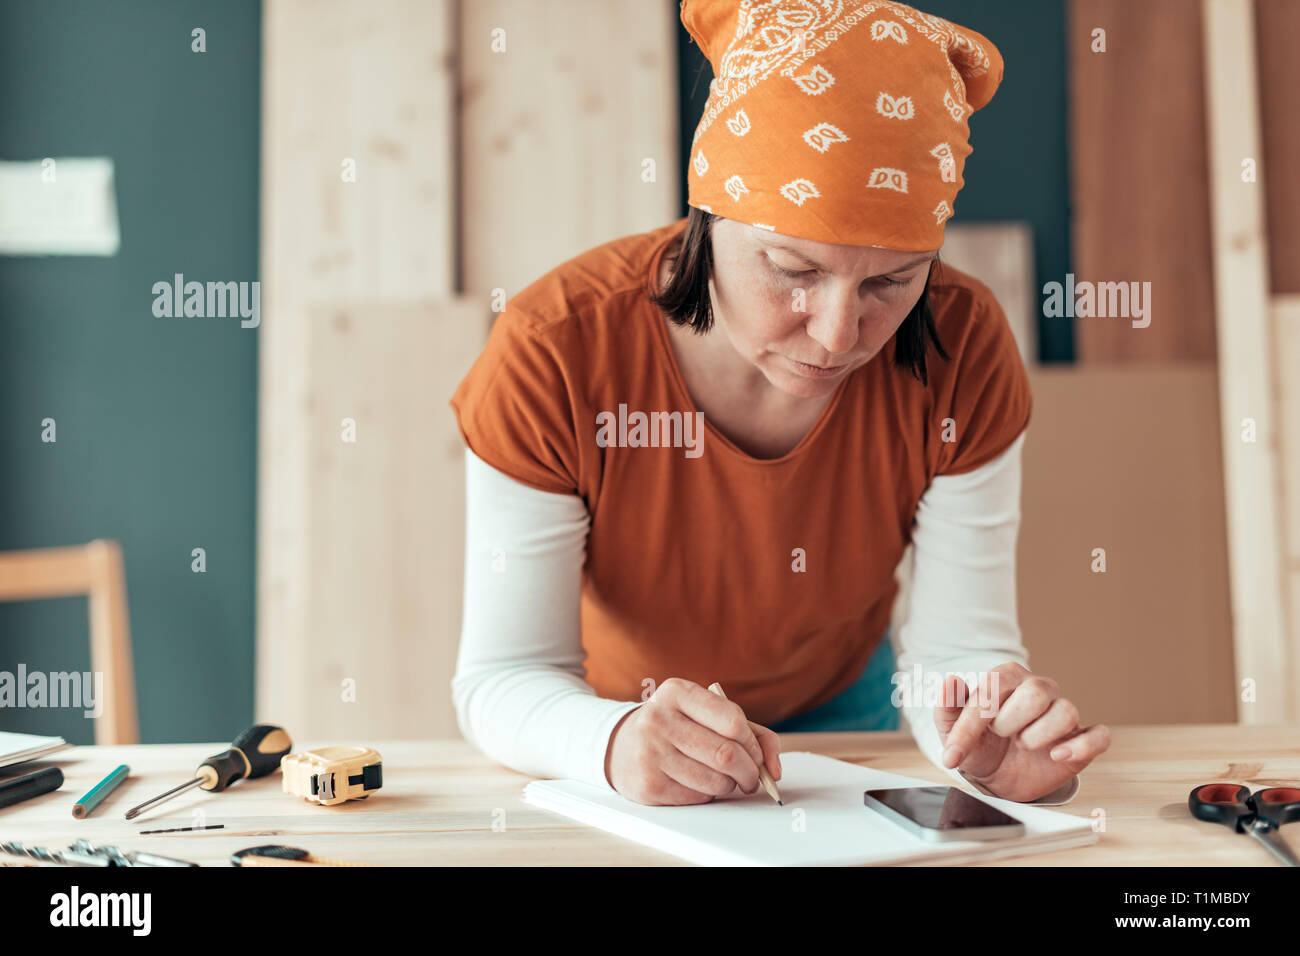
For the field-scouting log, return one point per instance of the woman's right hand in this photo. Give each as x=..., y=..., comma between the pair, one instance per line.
x=687, y=745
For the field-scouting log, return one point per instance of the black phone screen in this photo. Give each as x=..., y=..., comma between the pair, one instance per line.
x=942, y=808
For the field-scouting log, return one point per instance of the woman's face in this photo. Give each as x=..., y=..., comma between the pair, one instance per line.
x=808, y=313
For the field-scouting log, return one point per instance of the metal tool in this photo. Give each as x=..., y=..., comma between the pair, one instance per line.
x=69, y=857
x=85, y=853
x=1260, y=813
x=332, y=775
x=255, y=753
x=127, y=857
x=215, y=826
x=273, y=855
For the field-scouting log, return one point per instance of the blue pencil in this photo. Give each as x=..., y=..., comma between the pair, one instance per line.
x=83, y=807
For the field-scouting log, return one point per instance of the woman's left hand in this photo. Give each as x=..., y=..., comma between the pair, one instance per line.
x=1019, y=743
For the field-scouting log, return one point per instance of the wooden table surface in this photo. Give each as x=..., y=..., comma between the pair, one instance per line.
x=444, y=803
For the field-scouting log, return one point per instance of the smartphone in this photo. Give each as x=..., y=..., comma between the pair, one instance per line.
x=943, y=813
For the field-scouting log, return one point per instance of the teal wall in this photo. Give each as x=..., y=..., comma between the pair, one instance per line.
x=156, y=418
x=1020, y=167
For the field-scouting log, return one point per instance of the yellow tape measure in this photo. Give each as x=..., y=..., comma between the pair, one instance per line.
x=332, y=775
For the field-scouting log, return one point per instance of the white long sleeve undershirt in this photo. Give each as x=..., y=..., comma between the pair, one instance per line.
x=519, y=691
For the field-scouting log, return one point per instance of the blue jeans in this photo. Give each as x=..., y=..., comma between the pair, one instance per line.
x=866, y=705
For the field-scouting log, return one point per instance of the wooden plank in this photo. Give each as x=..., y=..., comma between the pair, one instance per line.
x=552, y=151
x=1094, y=478
x=95, y=571
x=1001, y=255
x=445, y=804
x=387, y=516
x=44, y=573
x=1277, y=26
x=372, y=83
x=342, y=81
x=558, y=128
x=1127, y=458
x=1286, y=324
x=1248, y=375
x=110, y=643
x=1138, y=175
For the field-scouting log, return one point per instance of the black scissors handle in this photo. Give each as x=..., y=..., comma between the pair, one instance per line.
x=1260, y=814
x=1225, y=803
x=1277, y=805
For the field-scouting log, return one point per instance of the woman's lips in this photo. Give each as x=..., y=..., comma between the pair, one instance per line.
x=817, y=371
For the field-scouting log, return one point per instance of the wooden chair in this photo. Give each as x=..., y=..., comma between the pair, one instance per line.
x=95, y=570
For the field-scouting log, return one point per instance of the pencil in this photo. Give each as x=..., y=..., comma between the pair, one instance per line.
x=83, y=807
x=764, y=777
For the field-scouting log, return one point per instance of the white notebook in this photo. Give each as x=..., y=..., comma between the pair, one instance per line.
x=823, y=821
x=17, y=748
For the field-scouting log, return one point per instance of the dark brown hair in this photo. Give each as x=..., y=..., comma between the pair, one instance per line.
x=685, y=300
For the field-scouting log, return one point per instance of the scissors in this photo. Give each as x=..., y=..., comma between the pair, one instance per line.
x=1260, y=813
x=283, y=856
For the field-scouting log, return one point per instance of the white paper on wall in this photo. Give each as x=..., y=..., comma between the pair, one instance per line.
x=58, y=206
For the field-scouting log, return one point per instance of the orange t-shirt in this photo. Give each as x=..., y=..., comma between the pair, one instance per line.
x=774, y=577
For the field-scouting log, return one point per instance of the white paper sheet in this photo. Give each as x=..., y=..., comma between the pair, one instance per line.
x=18, y=748
x=823, y=821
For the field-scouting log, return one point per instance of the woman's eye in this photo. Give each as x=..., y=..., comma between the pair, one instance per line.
x=795, y=274
x=792, y=273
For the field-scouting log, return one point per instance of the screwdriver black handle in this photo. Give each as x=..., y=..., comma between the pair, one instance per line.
x=255, y=753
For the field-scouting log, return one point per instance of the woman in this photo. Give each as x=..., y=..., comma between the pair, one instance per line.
x=697, y=454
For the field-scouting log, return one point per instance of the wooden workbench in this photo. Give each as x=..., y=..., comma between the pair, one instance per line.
x=441, y=798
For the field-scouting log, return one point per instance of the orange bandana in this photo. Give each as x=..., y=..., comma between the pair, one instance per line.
x=834, y=120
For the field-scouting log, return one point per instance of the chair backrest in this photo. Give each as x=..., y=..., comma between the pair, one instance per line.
x=95, y=570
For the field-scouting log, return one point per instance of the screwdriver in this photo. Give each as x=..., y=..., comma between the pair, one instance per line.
x=255, y=753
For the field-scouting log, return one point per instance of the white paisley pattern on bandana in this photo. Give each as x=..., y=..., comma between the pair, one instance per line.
x=785, y=34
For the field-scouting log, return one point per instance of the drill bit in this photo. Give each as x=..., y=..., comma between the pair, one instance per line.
x=70, y=857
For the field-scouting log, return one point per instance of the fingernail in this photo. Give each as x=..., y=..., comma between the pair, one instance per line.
x=1062, y=753
x=952, y=755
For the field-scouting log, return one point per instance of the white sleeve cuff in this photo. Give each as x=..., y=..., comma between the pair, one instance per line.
x=595, y=772
x=1062, y=794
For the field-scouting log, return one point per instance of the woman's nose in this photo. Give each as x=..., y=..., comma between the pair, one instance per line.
x=836, y=326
